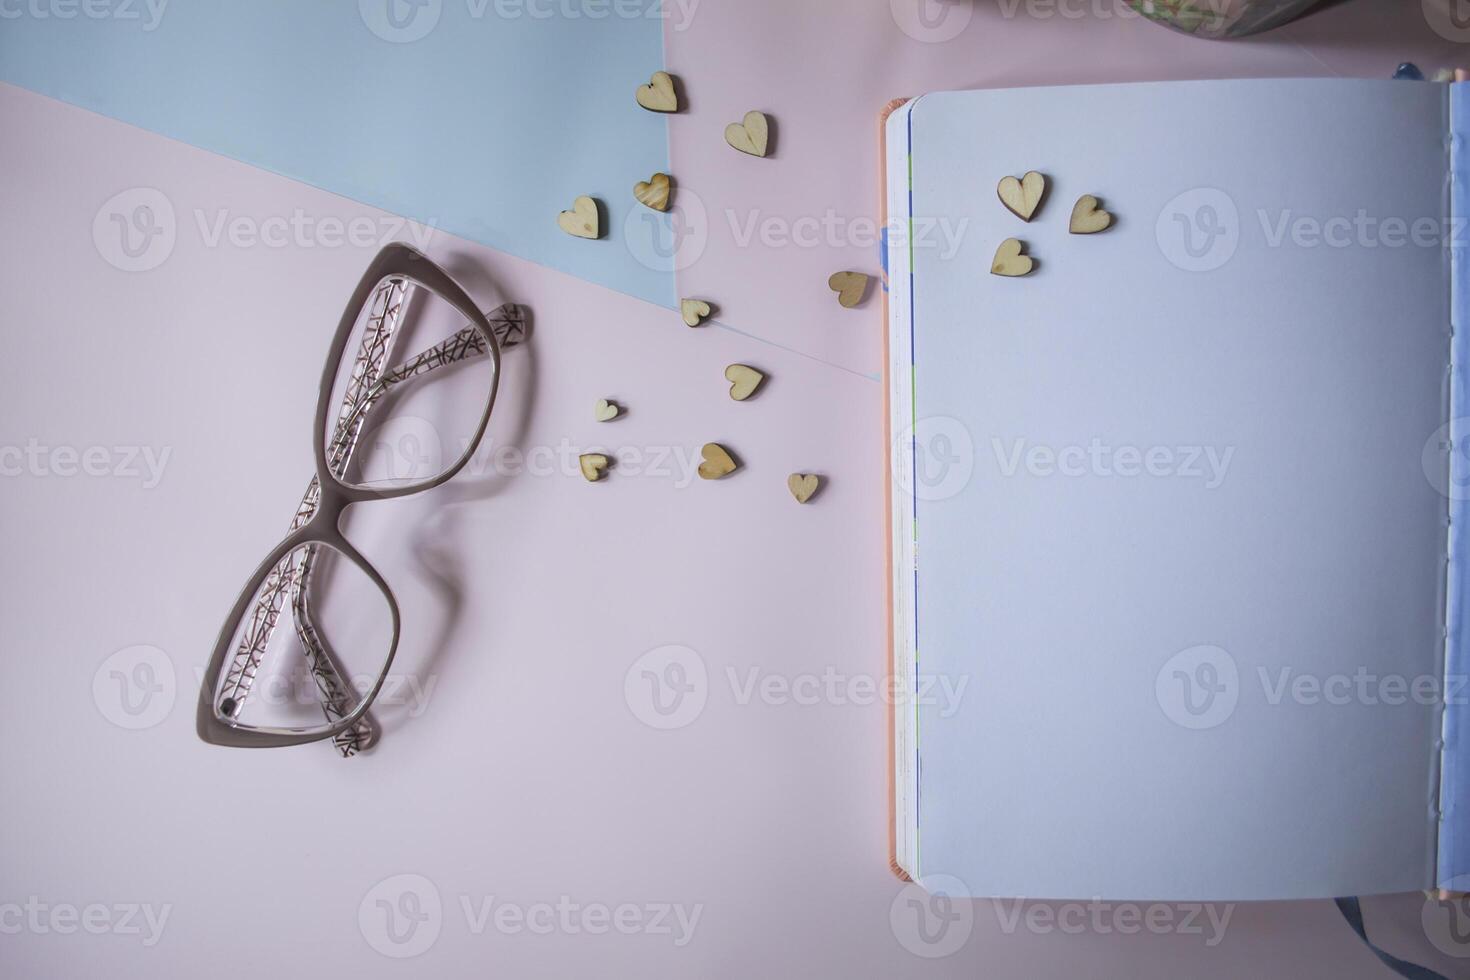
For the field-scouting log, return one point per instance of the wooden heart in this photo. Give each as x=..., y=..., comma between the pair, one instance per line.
x=750, y=134
x=1087, y=217
x=744, y=380
x=1022, y=197
x=802, y=486
x=653, y=192
x=693, y=311
x=658, y=95
x=581, y=220
x=849, y=287
x=594, y=466
x=605, y=411
x=1009, y=261
x=717, y=462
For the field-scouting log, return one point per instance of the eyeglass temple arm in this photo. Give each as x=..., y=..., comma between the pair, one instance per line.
x=508, y=323
x=336, y=699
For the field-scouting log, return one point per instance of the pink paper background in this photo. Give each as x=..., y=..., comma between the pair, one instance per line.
x=527, y=598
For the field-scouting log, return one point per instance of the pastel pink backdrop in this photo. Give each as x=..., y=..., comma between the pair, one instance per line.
x=526, y=597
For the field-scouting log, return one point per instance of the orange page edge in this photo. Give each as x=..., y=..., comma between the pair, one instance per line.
x=888, y=505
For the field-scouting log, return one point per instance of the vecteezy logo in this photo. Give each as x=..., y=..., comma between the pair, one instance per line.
x=400, y=21
x=1450, y=19
x=1199, y=230
x=1198, y=687
x=669, y=240
x=934, y=458
x=401, y=916
x=667, y=687
x=1446, y=921
x=932, y=919
x=404, y=449
x=1447, y=466
x=135, y=687
x=932, y=21
x=134, y=230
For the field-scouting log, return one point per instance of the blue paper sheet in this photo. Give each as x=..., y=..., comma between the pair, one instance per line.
x=484, y=118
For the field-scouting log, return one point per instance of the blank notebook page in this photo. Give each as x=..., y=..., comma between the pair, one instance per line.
x=1196, y=446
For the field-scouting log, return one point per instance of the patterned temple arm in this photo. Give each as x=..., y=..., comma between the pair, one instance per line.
x=367, y=384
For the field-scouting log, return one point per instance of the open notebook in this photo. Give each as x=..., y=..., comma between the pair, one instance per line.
x=1177, y=538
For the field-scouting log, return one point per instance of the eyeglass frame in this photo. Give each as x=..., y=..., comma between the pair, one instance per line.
x=328, y=495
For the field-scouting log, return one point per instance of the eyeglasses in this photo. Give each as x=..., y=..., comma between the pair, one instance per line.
x=331, y=646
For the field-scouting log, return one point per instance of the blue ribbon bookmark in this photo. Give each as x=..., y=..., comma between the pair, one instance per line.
x=1353, y=912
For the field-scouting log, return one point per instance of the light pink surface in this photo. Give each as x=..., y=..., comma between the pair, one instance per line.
x=526, y=598
x=823, y=69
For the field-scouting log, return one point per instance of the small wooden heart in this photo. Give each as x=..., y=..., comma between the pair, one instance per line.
x=744, y=380
x=1022, y=197
x=717, y=462
x=1009, y=261
x=606, y=411
x=653, y=192
x=750, y=135
x=802, y=486
x=1087, y=217
x=594, y=466
x=693, y=311
x=849, y=287
x=581, y=220
x=658, y=95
